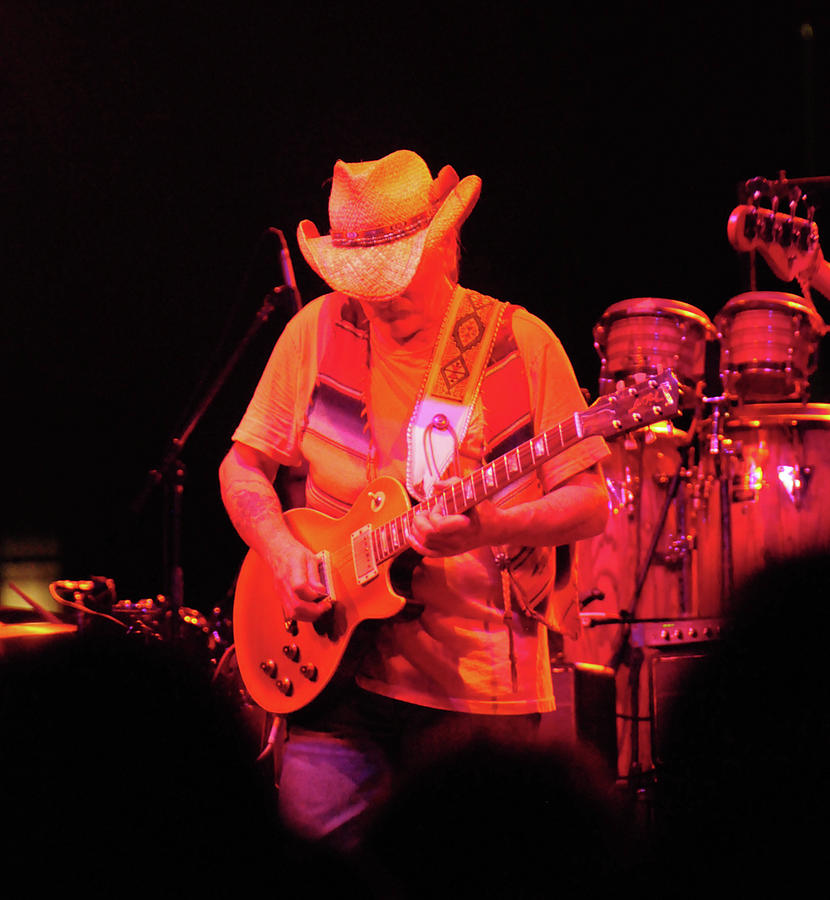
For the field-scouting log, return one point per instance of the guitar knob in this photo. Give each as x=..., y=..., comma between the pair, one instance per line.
x=291, y=626
x=309, y=671
x=285, y=686
x=269, y=666
x=292, y=651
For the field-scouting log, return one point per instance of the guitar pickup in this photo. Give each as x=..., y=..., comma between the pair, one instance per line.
x=363, y=555
x=324, y=573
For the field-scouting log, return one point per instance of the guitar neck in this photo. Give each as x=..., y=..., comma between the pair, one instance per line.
x=649, y=400
x=390, y=539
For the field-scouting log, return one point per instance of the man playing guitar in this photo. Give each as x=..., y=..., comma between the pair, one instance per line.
x=401, y=372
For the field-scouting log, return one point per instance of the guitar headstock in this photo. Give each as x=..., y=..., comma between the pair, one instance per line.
x=649, y=399
x=788, y=243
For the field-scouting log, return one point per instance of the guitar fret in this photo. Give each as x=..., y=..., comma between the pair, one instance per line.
x=469, y=489
x=499, y=469
x=489, y=477
x=481, y=487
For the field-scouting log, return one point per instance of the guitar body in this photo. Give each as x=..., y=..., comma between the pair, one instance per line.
x=283, y=666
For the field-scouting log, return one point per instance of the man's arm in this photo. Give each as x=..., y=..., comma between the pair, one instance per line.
x=246, y=479
x=576, y=510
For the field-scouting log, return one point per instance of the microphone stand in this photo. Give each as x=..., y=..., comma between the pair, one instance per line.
x=171, y=471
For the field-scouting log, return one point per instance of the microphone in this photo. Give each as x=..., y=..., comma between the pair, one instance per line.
x=288, y=278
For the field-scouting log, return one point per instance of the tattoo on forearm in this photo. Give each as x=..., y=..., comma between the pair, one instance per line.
x=254, y=506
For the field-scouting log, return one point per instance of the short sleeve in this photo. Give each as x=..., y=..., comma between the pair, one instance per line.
x=273, y=420
x=555, y=396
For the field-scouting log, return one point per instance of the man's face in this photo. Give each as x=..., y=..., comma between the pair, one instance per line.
x=420, y=307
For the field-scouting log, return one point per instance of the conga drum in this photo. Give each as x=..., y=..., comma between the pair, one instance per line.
x=650, y=334
x=778, y=467
x=769, y=346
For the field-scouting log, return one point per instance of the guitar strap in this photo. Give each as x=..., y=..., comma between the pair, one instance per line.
x=451, y=387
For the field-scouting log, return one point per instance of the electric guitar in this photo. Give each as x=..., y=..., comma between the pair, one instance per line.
x=285, y=664
x=788, y=243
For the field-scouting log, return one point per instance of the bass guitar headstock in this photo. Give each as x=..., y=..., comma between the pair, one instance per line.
x=789, y=243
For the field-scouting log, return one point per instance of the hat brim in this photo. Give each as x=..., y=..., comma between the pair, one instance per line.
x=383, y=271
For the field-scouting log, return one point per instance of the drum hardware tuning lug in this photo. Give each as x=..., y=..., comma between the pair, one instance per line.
x=795, y=480
x=678, y=549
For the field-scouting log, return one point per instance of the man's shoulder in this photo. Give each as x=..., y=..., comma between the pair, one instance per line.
x=532, y=335
x=530, y=326
x=322, y=312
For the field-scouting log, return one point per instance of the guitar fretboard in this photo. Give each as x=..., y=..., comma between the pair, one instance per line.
x=390, y=539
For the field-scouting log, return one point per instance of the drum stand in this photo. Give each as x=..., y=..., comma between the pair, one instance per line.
x=718, y=448
x=631, y=649
x=629, y=652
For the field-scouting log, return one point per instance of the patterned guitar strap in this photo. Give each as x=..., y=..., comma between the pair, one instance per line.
x=449, y=392
x=446, y=404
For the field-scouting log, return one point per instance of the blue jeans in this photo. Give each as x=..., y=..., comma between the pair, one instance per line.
x=341, y=762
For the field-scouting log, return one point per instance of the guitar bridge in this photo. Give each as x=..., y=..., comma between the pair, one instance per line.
x=363, y=555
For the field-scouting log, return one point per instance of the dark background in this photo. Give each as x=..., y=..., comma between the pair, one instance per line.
x=148, y=146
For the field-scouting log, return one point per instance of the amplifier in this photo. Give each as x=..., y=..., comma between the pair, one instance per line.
x=585, y=708
x=670, y=677
x=676, y=632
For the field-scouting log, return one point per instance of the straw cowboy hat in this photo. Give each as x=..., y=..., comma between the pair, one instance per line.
x=383, y=215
